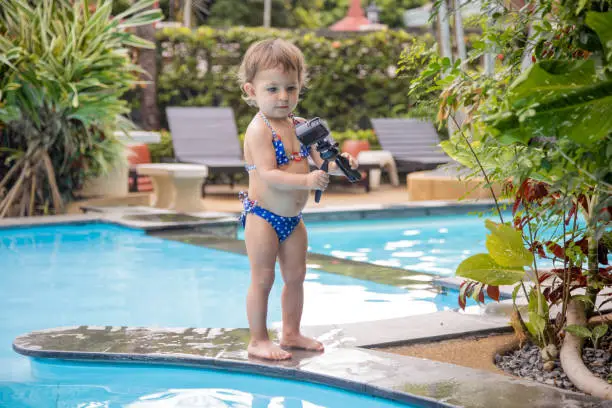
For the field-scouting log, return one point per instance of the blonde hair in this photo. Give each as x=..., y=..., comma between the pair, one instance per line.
x=270, y=54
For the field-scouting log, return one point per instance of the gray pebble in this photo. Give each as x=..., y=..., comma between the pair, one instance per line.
x=527, y=363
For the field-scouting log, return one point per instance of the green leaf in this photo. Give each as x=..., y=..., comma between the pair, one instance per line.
x=538, y=324
x=144, y=18
x=578, y=330
x=505, y=245
x=533, y=305
x=141, y=5
x=600, y=330
x=135, y=41
x=601, y=23
x=585, y=299
x=478, y=45
x=515, y=292
x=482, y=268
x=568, y=101
x=9, y=113
x=581, y=5
x=75, y=96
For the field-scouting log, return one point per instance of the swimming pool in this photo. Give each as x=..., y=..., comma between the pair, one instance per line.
x=101, y=274
x=431, y=244
x=86, y=385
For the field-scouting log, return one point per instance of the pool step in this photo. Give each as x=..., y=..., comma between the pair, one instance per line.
x=361, y=270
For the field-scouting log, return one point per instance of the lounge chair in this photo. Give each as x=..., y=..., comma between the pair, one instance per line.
x=206, y=135
x=412, y=142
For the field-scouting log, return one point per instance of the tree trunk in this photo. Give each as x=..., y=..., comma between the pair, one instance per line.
x=148, y=97
x=595, y=320
x=571, y=357
x=593, y=279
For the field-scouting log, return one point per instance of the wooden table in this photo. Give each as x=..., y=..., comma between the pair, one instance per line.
x=176, y=186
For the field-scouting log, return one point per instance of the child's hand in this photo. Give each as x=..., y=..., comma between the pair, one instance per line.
x=352, y=161
x=317, y=180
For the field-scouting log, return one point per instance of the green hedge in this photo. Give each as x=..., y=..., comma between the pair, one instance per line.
x=351, y=79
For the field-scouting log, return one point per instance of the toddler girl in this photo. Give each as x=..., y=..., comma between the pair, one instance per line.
x=272, y=74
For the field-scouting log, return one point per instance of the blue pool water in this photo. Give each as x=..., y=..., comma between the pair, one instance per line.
x=434, y=244
x=84, y=385
x=100, y=274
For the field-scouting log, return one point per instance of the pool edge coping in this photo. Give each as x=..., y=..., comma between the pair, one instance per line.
x=392, y=374
x=340, y=213
x=244, y=367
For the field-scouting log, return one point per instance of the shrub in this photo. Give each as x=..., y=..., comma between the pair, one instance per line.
x=63, y=70
x=351, y=79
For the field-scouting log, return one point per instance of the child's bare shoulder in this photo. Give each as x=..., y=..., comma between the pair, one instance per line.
x=257, y=131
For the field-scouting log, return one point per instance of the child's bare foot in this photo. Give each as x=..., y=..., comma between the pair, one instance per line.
x=267, y=350
x=301, y=342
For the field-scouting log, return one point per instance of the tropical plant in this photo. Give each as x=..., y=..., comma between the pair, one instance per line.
x=557, y=115
x=63, y=69
x=594, y=335
x=540, y=124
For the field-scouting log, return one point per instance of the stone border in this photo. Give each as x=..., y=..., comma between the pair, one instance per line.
x=218, y=221
x=243, y=367
x=47, y=220
x=421, y=382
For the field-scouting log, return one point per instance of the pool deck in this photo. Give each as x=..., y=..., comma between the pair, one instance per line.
x=422, y=382
x=347, y=362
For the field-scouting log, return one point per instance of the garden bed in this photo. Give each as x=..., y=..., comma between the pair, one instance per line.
x=526, y=362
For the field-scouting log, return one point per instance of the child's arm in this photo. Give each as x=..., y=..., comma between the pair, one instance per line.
x=264, y=159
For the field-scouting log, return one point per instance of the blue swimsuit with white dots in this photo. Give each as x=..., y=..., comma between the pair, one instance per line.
x=283, y=226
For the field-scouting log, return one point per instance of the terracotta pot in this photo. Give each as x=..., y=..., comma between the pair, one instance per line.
x=355, y=146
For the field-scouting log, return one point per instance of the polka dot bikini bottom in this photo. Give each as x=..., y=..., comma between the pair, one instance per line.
x=283, y=226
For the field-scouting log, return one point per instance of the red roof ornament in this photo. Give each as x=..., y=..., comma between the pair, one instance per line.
x=354, y=20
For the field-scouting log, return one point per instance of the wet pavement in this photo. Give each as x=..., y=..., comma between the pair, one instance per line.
x=401, y=378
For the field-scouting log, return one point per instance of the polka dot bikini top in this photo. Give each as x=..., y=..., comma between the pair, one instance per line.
x=279, y=148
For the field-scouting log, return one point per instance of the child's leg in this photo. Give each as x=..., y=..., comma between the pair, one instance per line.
x=292, y=258
x=262, y=248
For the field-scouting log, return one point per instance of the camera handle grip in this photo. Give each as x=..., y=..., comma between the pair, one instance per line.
x=318, y=193
x=344, y=165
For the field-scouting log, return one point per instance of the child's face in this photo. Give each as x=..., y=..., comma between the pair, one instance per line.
x=275, y=91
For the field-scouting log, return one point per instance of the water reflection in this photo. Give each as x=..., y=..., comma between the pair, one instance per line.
x=213, y=398
x=216, y=398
